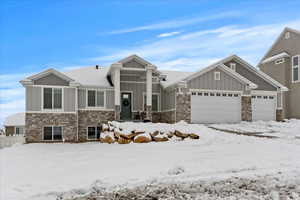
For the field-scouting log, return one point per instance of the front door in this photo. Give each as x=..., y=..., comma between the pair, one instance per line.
x=126, y=106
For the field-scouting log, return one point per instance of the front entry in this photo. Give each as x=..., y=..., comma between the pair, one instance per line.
x=126, y=106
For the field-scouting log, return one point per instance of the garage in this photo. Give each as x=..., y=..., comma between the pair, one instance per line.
x=263, y=107
x=215, y=107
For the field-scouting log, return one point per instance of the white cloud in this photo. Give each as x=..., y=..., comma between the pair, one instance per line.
x=168, y=34
x=195, y=50
x=178, y=22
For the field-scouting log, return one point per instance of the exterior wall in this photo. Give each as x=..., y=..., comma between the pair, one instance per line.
x=206, y=81
x=138, y=90
x=251, y=76
x=133, y=64
x=69, y=99
x=283, y=74
x=36, y=121
x=246, y=108
x=9, y=130
x=33, y=98
x=51, y=79
x=167, y=100
x=168, y=116
x=92, y=118
x=109, y=101
x=183, y=105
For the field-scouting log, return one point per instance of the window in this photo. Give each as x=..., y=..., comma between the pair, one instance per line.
x=199, y=93
x=53, y=133
x=52, y=98
x=212, y=94
x=233, y=66
x=155, y=102
x=279, y=61
x=295, y=68
x=287, y=35
x=193, y=93
x=95, y=98
x=17, y=131
x=205, y=94
x=93, y=133
x=217, y=76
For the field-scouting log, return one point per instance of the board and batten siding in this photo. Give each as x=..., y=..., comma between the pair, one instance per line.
x=167, y=100
x=138, y=89
x=109, y=94
x=69, y=99
x=207, y=81
x=51, y=79
x=33, y=98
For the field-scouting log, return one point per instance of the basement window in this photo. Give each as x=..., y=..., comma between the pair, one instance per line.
x=53, y=133
x=93, y=133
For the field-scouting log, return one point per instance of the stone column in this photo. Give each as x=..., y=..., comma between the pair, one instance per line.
x=116, y=78
x=183, y=103
x=149, y=71
x=246, y=108
x=279, y=115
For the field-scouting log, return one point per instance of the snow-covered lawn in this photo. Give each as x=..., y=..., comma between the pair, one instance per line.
x=44, y=171
x=290, y=129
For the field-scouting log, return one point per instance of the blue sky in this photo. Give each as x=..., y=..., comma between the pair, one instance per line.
x=181, y=35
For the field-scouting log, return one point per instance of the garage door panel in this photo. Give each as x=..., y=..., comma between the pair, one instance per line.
x=215, y=109
x=263, y=108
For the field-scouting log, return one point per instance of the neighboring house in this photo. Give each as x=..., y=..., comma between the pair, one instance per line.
x=15, y=124
x=282, y=63
x=71, y=106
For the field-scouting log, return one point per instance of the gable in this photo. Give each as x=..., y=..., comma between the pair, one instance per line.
x=251, y=76
x=290, y=45
x=207, y=81
x=51, y=79
x=133, y=64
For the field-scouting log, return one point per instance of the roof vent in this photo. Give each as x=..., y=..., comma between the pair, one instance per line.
x=97, y=66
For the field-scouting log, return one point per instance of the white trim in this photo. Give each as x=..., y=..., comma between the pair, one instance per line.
x=232, y=66
x=134, y=82
x=262, y=92
x=96, y=109
x=216, y=91
x=154, y=93
x=279, y=61
x=274, y=57
x=217, y=76
x=62, y=133
x=169, y=110
x=52, y=86
x=46, y=111
x=295, y=67
x=50, y=71
x=87, y=132
x=287, y=35
x=60, y=110
x=96, y=106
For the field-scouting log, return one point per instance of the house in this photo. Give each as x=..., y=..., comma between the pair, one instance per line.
x=71, y=106
x=281, y=62
x=15, y=124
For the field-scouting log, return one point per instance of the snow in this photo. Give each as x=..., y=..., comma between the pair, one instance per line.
x=45, y=171
x=275, y=57
x=290, y=129
x=17, y=119
x=173, y=77
x=90, y=76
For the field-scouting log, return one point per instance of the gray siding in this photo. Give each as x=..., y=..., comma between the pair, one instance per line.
x=110, y=99
x=138, y=90
x=81, y=98
x=138, y=76
x=133, y=64
x=69, y=99
x=207, y=81
x=251, y=76
x=51, y=79
x=33, y=98
x=282, y=73
x=167, y=100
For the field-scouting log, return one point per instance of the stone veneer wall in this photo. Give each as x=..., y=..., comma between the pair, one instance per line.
x=279, y=115
x=36, y=121
x=156, y=117
x=92, y=118
x=183, y=105
x=167, y=116
x=246, y=108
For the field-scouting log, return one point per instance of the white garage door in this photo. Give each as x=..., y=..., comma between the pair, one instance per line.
x=263, y=107
x=215, y=107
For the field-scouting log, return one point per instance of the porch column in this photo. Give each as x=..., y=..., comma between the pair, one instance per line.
x=149, y=71
x=116, y=75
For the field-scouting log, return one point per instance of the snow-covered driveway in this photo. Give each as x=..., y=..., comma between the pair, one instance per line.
x=33, y=170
